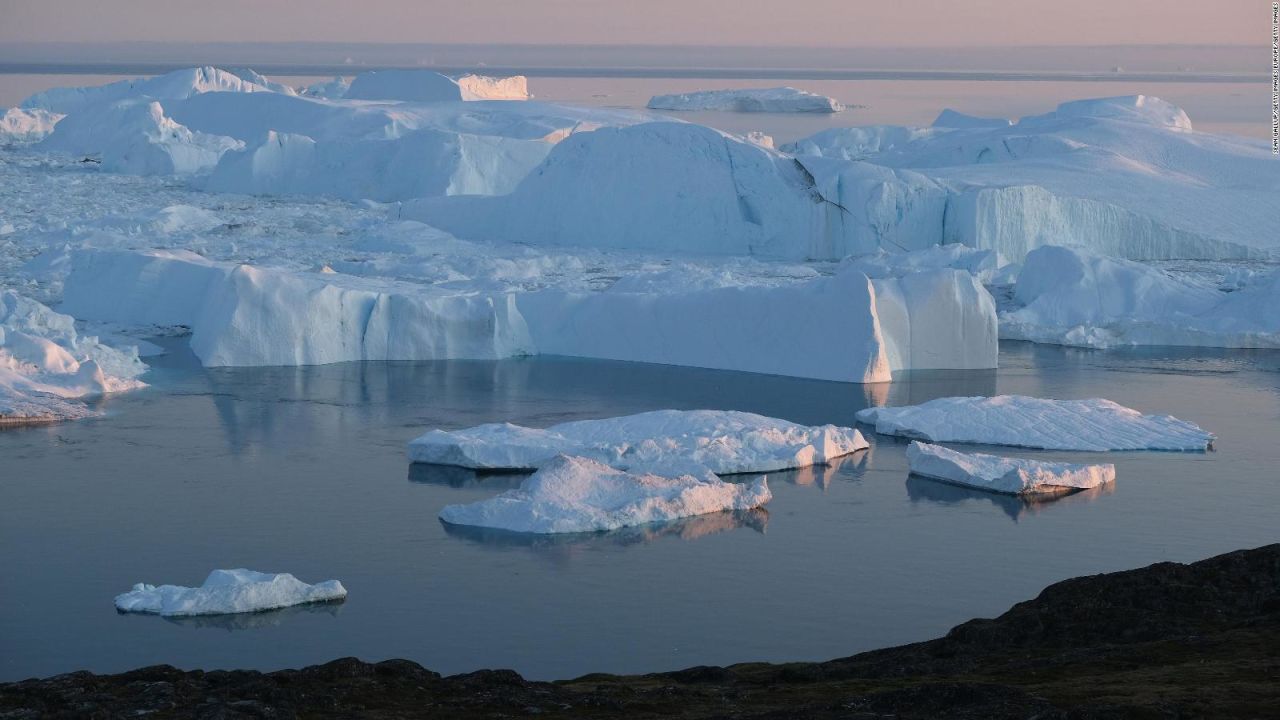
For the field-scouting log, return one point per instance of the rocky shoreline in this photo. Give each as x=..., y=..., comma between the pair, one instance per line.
x=1169, y=640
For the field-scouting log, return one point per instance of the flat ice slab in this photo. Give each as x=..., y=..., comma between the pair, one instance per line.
x=229, y=591
x=1020, y=421
x=576, y=494
x=783, y=99
x=1015, y=476
x=723, y=442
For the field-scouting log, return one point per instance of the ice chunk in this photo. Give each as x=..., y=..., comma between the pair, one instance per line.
x=1015, y=476
x=45, y=364
x=229, y=591
x=23, y=126
x=1020, y=421
x=983, y=264
x=1073, y=297
x=331, y=90
x=724, y=442
x=949, y=118
x=486, y=87
x=575, y=494
x=777, y=100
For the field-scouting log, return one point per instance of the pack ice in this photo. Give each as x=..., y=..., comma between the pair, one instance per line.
x=723, y=442
x=773, y=100
x=1073, y=297
x=1020, y=421
x=575, y=494
x=1014, y=476
x=226, y=592
x=46, y=366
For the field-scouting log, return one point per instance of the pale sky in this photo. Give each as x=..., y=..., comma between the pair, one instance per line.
x=841, y=23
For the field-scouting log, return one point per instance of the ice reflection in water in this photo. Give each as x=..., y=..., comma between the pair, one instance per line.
x=922, y=489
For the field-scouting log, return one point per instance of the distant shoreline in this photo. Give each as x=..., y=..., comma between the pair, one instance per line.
x=146, y=68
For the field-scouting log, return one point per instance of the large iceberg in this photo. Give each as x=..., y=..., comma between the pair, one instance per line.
x=228, y=591
x=176, y=85
x=1014, y=476
x=772, y=100
x=574, y=495
x=1019, y=421
x=138, y=138
x=19, y=125
x=1072, y=297
x=1125, y=176
x=46, y=366
x=246, y=315
x=724, y=442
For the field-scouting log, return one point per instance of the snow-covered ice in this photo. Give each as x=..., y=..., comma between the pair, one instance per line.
x=1072, y=297
x=229, y=591
x=176, y=85
x=1015, y=476
x=46, y=365
x=773, y=100
x=724, y=442
x=1020, y=421
x=19, y=125
x=575, y=494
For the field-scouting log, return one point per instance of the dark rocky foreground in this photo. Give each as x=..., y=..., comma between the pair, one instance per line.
x=1170, y=640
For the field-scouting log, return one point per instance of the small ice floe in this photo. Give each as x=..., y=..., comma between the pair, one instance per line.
x=723, y=442
x=229, y=591
x=575, y=495
x=1014, y=476
x=1020, y=421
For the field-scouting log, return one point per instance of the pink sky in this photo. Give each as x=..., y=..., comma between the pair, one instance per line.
x=697, y=22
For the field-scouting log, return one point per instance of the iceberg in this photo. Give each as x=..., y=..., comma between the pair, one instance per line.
x=1019, y=421
x=1123, y=176
x=1070, y=296
x=176, y=85
x=721, y=441
x=982, y=264
x=46, y=366
x=1014, y=476
x=226, y=592
x=577, y=495
x=772, y=100
x=247, y=315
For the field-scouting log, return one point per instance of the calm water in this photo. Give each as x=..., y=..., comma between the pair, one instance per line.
x=303, y=470
x=1222, y=107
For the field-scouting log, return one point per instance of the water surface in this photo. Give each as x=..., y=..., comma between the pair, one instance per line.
x=303, y=470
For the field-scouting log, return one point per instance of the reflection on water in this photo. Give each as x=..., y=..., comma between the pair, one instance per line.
x=248, y=621
x=922, y=489
x=690, y=528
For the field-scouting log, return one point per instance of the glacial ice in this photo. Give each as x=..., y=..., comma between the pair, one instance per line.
x=1015, y=476
x=226, y=592
x=46, y=365
x=1073, y=297
x=983, y=264
x=575, y=494
x=774, y=100
x=723, y=442
x=176, y=85
x=18, y=125
x=949, y=118
x=1020, y=421
x=246, y=315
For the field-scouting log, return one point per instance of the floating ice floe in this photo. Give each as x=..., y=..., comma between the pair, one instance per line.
x=1015, y=476
x=722, y=441
x=229, y=591
x=244, y=315
x=575, y=494
x=46, y=365
x=1020, y=421
x=774, y=100
x=1072, y=297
